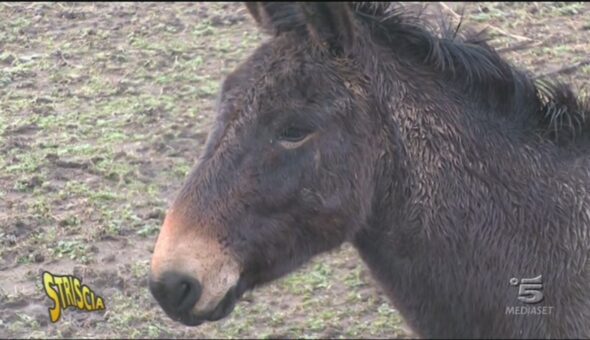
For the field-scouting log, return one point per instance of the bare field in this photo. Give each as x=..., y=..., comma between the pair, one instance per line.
x=104, y=108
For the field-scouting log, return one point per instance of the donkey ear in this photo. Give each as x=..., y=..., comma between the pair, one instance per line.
x=274, y=17
x=330, y=23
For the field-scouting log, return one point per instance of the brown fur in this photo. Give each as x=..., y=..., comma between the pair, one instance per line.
x=450, y=170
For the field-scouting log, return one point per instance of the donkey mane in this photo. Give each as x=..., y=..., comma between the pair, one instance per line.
x=548, y=108
x=464, y=57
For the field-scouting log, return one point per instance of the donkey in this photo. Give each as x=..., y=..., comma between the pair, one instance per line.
x=462, y=181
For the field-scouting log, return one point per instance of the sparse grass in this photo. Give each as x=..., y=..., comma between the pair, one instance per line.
x=105, y=108
x=74, y=249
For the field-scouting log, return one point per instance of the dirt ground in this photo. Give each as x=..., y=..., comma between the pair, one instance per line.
x=104, y=108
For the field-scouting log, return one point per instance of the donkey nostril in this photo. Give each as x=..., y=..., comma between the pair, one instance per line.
x=181, y=293
x=185, y=288
x=177, y=293
x=187, y=299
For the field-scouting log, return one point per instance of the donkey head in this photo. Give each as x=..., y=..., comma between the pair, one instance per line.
x=287, y=171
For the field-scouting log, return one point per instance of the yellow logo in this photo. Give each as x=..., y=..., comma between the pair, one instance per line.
x=68, y=291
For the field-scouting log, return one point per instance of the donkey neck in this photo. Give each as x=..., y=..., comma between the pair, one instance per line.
x=443, y=184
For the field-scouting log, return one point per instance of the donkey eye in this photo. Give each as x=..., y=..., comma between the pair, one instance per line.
x=293, y=137
x=293, y=134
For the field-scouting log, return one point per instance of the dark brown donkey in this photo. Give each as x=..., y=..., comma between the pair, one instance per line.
x=457, y=177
